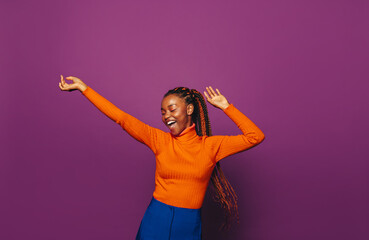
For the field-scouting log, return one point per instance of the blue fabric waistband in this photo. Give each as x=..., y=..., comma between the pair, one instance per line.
x=163, y=221
x=158, y=203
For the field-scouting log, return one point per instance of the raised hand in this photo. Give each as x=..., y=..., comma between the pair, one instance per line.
x=216, y=98
x=77, y=84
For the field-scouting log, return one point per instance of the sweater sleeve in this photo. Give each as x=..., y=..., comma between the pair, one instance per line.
x=140, y=131
x=224, y=146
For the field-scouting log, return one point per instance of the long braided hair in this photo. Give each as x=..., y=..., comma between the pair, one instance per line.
x=224, y=193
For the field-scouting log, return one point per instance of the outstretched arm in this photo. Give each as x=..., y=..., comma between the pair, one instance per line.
x=227, y=145
x=137, y=129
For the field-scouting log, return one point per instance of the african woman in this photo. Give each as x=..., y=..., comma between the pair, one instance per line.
x=187, y=157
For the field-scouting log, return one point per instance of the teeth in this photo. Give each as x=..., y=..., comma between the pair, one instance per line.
x=170, y=122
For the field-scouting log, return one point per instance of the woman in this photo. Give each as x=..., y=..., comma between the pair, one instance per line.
x=186, y=157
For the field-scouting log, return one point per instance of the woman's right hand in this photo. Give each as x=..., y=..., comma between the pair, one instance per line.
x=77, y=84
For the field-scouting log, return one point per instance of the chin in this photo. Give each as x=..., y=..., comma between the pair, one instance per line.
x=175, y=133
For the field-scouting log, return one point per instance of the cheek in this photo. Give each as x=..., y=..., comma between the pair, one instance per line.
x=182, y=117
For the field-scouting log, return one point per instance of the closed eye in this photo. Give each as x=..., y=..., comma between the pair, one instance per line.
x=172, y=110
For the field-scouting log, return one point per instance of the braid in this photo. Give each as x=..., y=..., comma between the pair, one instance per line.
x=203, y=120
x=224, y=193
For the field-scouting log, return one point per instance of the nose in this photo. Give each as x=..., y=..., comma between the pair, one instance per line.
x=166, y=115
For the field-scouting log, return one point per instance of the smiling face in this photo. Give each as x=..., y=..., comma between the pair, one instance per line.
x=176, y=114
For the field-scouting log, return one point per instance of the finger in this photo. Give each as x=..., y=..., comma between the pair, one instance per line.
x=64, y=84
x=62, y=79
x=61, y=86
x=72, y=78
x=206, y=95
x=218, y=91
x=212, y=90
x=210, y=93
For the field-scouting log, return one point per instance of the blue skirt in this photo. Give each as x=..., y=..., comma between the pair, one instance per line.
x=165, y=222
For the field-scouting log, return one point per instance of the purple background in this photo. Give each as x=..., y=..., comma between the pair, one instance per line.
x=298, y=69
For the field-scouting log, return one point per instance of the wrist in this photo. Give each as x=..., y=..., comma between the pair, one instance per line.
x=82, y=87
x=223, y=107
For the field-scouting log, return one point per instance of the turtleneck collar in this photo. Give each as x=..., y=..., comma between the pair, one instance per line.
x=187, y=134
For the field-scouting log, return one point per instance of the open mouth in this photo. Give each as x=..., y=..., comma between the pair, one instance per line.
x=171, y=124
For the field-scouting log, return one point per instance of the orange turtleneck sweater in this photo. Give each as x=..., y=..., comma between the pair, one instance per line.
x=184, y=163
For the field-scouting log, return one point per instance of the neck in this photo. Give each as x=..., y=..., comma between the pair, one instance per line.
x=187, y=134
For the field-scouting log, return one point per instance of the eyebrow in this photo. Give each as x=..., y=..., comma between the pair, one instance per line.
x=169, y=106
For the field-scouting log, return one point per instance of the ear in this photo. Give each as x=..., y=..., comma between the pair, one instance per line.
x=190, y=109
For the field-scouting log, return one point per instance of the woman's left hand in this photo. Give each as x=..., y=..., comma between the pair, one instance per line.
x=216, y=98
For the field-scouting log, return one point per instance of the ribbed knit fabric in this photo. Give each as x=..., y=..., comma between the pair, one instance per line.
x=184, y=163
